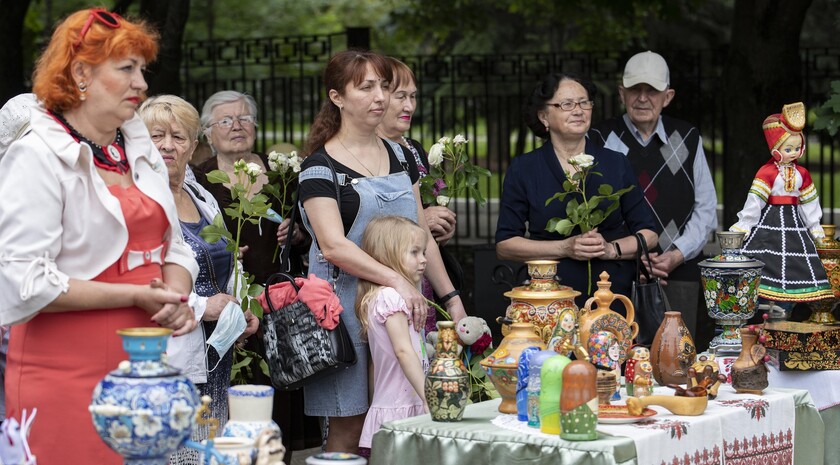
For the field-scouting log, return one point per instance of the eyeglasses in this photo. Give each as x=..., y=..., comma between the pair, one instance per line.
x=569, y=105
x=105, y=17
x=227, y=122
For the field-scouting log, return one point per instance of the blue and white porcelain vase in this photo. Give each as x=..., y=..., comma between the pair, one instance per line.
x=250, y=411
x=145, y=409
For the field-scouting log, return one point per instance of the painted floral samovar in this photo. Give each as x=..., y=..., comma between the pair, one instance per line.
x=541, y=301
x=730, y=289
x=829, y=251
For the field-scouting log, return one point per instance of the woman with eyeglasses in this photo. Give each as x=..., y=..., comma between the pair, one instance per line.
x=559, y=110
x=229, y=121
x=89, y=235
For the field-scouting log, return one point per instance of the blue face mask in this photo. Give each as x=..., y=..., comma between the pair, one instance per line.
x=230, y=326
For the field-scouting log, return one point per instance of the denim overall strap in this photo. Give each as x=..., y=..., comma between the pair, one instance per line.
x=346, y=393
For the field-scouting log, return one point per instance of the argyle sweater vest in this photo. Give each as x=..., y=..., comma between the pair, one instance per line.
x=665, y=170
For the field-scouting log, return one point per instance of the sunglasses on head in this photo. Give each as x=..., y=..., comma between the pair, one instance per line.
x=105, y=17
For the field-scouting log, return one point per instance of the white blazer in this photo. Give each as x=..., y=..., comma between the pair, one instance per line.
x=59, y=221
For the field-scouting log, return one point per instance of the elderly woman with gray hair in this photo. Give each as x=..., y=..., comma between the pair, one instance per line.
x=229, y=122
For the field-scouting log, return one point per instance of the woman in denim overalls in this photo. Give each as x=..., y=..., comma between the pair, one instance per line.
x=374, y=179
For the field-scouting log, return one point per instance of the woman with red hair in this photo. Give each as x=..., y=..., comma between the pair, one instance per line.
x=89, y=234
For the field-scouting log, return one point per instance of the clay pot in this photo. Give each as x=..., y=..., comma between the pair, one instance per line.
x=673, y=351
x=749, y=374
x=502, y=364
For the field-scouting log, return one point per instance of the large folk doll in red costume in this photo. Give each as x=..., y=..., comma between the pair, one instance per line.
x=782, y=217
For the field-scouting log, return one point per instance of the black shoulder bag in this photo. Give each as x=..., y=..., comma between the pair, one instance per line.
x=648, y=298
x=299, y=350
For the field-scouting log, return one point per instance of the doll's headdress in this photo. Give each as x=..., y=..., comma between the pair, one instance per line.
x=780, y=126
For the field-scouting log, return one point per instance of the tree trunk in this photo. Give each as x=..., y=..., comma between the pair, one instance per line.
x=11, y=53
x=762, y=74
x=170, y=18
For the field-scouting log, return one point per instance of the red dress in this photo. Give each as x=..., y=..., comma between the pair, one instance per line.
x=56, y=359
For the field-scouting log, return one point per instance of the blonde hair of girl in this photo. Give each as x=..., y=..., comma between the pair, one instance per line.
x=387, y=239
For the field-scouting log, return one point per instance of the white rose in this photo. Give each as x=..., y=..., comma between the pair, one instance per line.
x=272, y=165
x=254, y=169
x=582, y=160
x=444, y=140
x=436, y=154
x=459, y=140
x=442, y=200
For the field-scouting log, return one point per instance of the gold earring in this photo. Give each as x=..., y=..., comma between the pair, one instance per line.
x=82, y=90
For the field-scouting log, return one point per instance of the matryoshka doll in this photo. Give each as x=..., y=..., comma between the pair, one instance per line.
x=579, y=402
x=636, y=355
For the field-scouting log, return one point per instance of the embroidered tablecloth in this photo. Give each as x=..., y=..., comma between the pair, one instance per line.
x=735, y=429
x=480, y=439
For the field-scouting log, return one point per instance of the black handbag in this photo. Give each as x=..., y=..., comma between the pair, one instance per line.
x=649, y=299
x=298, y=349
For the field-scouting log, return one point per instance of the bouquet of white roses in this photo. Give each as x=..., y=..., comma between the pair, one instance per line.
x=243, y=208
x=283, y=169
x=583, y=213
x=451, y=173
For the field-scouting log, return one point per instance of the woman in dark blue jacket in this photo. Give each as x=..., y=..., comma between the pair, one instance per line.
x=560, y=110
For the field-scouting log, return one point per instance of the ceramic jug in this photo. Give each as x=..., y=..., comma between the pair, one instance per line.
x=749, y=374
x=601, y=318
x=447, y=386
x=672, y=351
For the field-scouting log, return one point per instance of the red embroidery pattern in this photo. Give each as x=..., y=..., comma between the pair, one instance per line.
x=756, y=407
x=775, y=449
x=704, y=457
x=678, y=429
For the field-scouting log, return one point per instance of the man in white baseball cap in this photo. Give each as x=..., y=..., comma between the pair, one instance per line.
x=667, y=155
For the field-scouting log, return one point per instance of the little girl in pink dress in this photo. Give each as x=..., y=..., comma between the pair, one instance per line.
x=396, y=346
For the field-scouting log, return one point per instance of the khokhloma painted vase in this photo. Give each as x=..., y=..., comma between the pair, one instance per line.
x=251, y=406
x=145, y=409
x=447, y=385
x=730, y=290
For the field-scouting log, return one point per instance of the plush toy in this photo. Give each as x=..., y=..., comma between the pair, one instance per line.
x=473, y=333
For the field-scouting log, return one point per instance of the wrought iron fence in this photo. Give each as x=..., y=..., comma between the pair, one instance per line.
x=480, y=96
